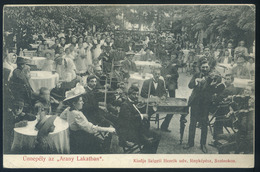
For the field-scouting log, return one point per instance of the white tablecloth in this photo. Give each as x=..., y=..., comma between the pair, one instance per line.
x=147, y=64
x=224, y=68
x=38, y=61
x=242, y=83
x=43, y=79
x=136, y=77
x=25, y=137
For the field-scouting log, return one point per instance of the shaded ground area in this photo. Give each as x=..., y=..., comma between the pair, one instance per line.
x=170, y=142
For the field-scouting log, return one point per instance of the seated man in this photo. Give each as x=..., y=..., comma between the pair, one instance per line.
x=240, y=71
x=229, y=90
x=155, y=87
x=12, y=119
x=132, y=125
x=44, y=102
x=91, y=107
x=19, y=83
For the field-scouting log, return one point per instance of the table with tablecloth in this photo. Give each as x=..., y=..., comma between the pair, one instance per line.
x=38, y=61
x=242, y=83
x=138, y=78
x=147, y=66
x=43, y=79
x=58, y=140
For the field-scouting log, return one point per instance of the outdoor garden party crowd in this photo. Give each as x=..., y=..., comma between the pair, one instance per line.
x=85, y=91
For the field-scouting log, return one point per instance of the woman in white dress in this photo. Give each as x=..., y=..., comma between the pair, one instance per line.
x=80, y=59
x=9, y=63
x=89, y=45
x=82, y=138
x=49, y=64
x=98, y=42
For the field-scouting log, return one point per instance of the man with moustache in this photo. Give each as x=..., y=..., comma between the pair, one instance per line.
x=132, y=124
x=200, y=100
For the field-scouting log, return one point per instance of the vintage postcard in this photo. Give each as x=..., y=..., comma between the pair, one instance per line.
x=129, y=86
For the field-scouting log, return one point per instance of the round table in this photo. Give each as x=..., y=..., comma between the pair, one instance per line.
x=25, y=137
x=38, y=61
x=242, y=83
x=43, y=79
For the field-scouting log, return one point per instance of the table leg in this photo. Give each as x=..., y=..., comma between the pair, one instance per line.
x=182, y=126
x=158, y=121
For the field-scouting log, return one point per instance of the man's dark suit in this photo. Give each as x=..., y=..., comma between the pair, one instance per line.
x=159, y=91
x=200, y=101
x=222, y=110
x=21, y=88
x=91, y=109
x=132, y=128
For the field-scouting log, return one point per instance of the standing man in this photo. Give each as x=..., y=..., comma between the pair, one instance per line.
x=200, y=100
x=170, y=74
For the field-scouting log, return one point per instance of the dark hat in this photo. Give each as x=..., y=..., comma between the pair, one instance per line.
x=21, y=60
x=19, y=103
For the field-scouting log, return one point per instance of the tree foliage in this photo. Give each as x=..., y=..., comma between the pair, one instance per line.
x=225, y=20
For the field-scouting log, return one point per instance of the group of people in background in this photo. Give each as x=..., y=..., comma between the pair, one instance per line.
x=107, y=59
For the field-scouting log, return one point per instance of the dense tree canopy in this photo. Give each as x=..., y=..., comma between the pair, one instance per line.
x=227, y=21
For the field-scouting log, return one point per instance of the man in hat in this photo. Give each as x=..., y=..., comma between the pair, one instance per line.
x=19, y=83
x=240, y=71
x=128, y=65
x=68, y=37
x=14, y=118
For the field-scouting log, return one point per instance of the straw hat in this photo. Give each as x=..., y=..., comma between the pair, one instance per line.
x=74, y=92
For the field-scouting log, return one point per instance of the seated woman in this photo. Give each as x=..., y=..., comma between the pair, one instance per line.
x=65, y=67
x=49, y=64
x=9, y=63
x=82, y=139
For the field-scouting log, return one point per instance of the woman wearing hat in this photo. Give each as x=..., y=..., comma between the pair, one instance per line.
x=82, y=139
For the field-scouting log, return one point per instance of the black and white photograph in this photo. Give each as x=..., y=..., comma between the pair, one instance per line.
x=129, y=80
